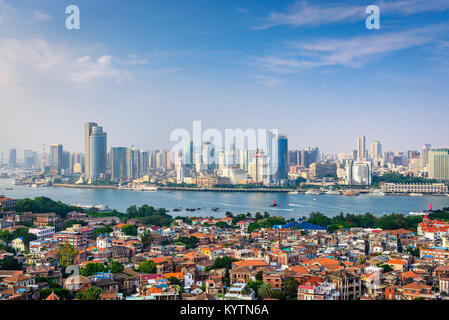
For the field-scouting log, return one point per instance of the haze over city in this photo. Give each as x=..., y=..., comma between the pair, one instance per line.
x=312, y=70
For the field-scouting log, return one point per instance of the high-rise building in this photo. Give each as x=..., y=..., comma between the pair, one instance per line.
x=119, y=169
x=29, y=158
x=133, y=163
x=425, y=154
x=97, y=153
x=188, y=154
x=208, y=155
x=361, y=148
x=439, y=164
x=55, y=157
x=145, y=162
x=376, y=150
x=87, y=133
x=281, y=174
x=12, y=158
x=359, y=173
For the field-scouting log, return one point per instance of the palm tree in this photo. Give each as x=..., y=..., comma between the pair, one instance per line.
x=264, y=291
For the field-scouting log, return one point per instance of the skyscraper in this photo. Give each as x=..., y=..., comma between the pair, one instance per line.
x=376, y=150
x=188, y=154
x=133, y=163
x=55, y=157
x=361, y=148
x=282, y=161
x=12, y=158
x=439, y=164
x=97, y=153
x=118, y=163
x=425, y=154
x=87, y=133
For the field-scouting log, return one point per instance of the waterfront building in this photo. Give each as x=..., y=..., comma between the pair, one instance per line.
x=359, y=173
x=118, y=163
x=87, y=133
x=133, y=163
x=322, y=169
x=281, y=174
x=415, y=188
x=97, y=153
x=439, y=164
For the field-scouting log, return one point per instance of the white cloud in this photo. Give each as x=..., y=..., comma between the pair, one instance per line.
x=304, y=14
x=268, y=81
x=6, y=10
x=41, y=16
x=351, y=52
x=30, y=60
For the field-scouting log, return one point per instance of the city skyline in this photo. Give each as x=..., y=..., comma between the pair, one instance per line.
x=312, y=70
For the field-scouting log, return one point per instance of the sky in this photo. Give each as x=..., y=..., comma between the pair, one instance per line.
x=143, y=68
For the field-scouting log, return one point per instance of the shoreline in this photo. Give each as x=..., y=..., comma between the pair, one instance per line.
x=204, y=189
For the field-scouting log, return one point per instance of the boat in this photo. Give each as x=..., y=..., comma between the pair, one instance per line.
x=33, y=185
x=376, y=193
x=332, y=192
x=416, y=194
x=351, y=193
x=8, y=188
x=293, y=192
x=315, y=192
x=274, y=204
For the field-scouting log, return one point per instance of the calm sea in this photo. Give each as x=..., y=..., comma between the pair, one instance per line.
x=289, y=206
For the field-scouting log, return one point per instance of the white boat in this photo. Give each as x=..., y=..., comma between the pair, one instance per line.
x=376, y=193
x=315, y=192
x=293, y=192
x=416, y=194
x=332, y=192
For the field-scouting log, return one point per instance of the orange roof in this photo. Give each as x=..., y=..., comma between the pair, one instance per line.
x=177, y=275
x=160, y=260
x=119, y=225
x=247, y=263
x=396, y=261
x=299, y=269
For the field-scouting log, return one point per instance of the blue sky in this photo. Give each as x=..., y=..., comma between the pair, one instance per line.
x=143, y=68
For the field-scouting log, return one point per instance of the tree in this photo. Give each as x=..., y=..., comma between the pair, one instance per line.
x=115, y=266
x=174, y=281
x=66, y=254
x=223, y=262
x=264, y=291
x=147, y=238
x=259, y=276
x=290, y=287
x=92, y=293
x=10, y=263
x=147, y=267
x=229, y=214
x=91, y=269
x=130, y=229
